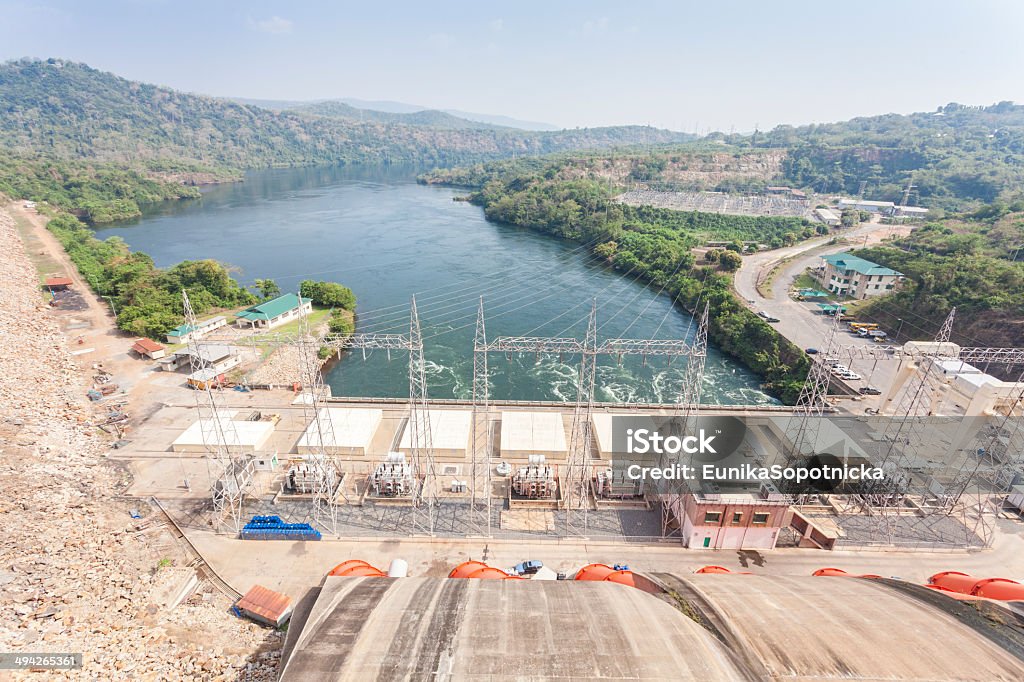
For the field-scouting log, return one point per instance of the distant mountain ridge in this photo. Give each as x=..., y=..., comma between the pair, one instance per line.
x=69, y=110
x=391, y=107
x=428, y=117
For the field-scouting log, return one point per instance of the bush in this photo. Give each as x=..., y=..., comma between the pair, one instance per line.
x=328, y=294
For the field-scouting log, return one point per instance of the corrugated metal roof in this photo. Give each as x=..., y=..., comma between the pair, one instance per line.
x=146, y=346
x=273, y=308
x=265, y=603
x=58, y=282
x=847, y=261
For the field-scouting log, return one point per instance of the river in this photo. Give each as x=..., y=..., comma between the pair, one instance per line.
x=375, y=230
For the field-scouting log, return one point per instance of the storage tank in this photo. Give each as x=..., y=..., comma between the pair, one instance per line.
x=399, y=568
x=954, y=581
x=954, y=595
x=1002, y=589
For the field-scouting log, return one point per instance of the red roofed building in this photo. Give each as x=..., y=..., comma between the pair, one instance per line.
x=57, y=283
x=151, y=349
x=265, y=606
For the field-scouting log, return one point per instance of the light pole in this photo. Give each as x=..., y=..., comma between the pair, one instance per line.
x=900, y=328
x=112, y=308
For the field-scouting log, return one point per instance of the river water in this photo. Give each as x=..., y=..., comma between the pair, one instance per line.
x=375, y=230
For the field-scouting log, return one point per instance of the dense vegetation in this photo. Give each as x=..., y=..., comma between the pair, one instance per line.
x=96, y=193
x=146, y=298
x=954, y=156
x=654, y=244
x=975, y=263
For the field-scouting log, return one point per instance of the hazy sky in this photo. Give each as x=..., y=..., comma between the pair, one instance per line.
x=679, y=65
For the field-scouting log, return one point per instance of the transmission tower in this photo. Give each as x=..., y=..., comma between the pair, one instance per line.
x=576, y=479
x=420, y=439
x=804, y=426
x=319, y=427
x=687, y=413
x=1002, y=443
x=481, y=466
x=230, y=476
x=904, y=430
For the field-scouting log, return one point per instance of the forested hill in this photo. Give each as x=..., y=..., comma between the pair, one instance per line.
x=69, y=110
x=955, y=155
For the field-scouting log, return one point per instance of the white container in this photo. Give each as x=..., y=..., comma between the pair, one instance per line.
x=399, y=568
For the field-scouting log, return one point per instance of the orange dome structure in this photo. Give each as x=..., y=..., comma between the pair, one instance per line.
x=605, y=573
x=489, y=573
x=594, y=572
x=465, y=568
x=832, y=572
x=954, y=581
x=621, y=577
x=955, y=595
x=713, y=569
x=357, y=568
x=1002, y=589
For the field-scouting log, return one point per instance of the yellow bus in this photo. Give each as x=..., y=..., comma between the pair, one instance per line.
x=867, y=326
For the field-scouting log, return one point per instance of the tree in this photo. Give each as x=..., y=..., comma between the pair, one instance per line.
x=268, y=288
x=328, y=294
x=850, y=217
x=730, y=261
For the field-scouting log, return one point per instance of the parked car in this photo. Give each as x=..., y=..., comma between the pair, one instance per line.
x=850, y=376
x=772, y=320
x=811, y=351
x=869, y=390
x=527, y=567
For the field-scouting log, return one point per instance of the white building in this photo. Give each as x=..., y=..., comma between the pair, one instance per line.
x=532, y=433
x=184, y=333
x=240, y=436
x=827, y=216
x=345, y=430
x=273, y=313
x=449, y=434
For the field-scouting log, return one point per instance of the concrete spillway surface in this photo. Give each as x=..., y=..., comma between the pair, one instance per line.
x=392, y=629
x=816, y=628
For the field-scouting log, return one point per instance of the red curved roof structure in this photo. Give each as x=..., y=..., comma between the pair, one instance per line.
x=1002, y=589
x=954, y=581
x=465, y=568
x=489, y=573
x=832, y=572
x=605, y=573
x=713, y=569
x=357, y=568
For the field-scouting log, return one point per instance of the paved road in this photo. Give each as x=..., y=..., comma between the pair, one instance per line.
x=800, y=322
x=295, y=567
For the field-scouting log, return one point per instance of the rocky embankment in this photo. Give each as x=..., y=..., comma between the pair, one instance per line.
x=76, y=572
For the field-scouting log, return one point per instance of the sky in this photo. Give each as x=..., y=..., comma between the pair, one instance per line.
x=685, y=65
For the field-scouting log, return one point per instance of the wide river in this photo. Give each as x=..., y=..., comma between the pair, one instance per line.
x=378, y=232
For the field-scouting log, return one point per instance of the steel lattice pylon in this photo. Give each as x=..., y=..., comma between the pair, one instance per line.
x=903, y=430
x=575, y=497
x=230, y=475
x=575, y=478
x=319, y=428
x=420, y=438
x=481, y=465
x=687, y=414
x=803, y=427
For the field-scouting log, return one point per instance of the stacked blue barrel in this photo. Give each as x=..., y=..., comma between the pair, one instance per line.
x=273, y=528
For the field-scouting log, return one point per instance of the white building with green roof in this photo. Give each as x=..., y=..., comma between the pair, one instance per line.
x=274, y=312
x=854, y=277
x=184, y=333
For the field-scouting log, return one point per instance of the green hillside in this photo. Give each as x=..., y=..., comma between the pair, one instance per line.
x=69, y=110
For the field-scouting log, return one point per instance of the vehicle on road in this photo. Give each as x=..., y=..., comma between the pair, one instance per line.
x=869, y=390
x=811, y=351
x=527, y=567
x=849, y=376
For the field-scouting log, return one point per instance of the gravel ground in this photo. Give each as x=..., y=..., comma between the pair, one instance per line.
x=76, y=572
